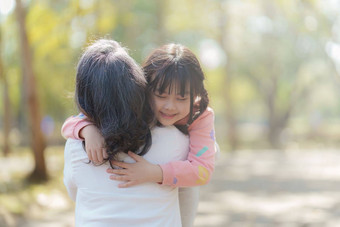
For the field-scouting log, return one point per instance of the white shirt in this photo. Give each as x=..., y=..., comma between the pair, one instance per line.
x=99, y=201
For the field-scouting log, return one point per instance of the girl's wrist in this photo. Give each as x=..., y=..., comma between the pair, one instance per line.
x=83, y=132
x=157, y=174
x=86, y=131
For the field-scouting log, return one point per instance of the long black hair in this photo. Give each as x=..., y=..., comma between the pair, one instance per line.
x=110, y=91
x=176, y=65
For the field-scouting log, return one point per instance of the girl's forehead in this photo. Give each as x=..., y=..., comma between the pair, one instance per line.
x=173, y=84
x=174, y=88
x=170, y=83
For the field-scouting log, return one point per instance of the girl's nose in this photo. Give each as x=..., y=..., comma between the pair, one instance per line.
x=169, y=105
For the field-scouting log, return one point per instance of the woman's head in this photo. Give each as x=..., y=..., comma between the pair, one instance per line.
x=110, y=91
x=175, y=84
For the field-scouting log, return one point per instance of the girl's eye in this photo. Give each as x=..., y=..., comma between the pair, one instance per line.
x=160, y=96
x=182, y=99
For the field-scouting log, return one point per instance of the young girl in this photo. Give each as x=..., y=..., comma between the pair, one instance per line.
x=176, y=90
x=110, y=92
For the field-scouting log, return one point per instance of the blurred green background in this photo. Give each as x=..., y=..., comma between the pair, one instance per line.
x=272, y=70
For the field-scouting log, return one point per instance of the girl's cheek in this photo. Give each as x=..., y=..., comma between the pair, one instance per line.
x=156, y=103
x=154, y=99
x=188, y=107
x=184, y=105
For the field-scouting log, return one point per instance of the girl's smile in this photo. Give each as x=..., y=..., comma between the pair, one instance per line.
x=168, y=116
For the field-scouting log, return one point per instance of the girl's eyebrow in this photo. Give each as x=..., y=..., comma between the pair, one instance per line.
x=158, y=90
x=185, y=93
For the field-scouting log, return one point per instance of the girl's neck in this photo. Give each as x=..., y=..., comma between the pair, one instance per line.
x=182, y=121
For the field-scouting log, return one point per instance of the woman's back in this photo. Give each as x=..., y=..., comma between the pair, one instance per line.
x=99, y=201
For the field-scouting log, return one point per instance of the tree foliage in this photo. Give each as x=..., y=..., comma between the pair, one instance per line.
x=274, y=59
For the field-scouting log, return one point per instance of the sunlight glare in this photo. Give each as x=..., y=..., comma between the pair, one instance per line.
x=6, y=6
x=211, y=54
x=333, y=50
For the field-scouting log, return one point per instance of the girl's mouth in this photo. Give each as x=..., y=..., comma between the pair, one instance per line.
x=167, y=116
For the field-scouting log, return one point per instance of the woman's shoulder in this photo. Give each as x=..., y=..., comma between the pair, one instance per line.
x=168, y=144
x=166, y=130
x=73, y=144
x=169, y=135
x=74, y=149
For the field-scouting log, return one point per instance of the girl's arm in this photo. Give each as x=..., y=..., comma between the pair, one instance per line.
x=197, y=169
x=73, y=126
x=194, y=171
x=78, y=127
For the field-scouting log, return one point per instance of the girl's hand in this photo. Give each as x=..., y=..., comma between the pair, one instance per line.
x=136, y=173
x=94, y=144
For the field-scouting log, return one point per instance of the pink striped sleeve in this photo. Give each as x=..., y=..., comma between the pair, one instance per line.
x=73, y=125
x=197, y=169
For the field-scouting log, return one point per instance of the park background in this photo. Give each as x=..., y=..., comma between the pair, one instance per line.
x=272, y=72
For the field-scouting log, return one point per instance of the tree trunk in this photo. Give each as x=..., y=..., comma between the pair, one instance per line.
x=6, y=106
x=277, y=117
x=230, y=116
x=37, y=139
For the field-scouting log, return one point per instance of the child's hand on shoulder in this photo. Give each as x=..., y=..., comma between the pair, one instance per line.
x=136, y=173
x=94, y=144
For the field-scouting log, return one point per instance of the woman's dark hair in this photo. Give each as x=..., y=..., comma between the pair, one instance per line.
x=110, y=91
x=175, y=65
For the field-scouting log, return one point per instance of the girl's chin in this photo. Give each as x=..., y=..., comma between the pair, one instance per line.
x=166, y=122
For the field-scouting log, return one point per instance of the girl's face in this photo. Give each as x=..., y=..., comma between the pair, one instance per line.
x=170, y=108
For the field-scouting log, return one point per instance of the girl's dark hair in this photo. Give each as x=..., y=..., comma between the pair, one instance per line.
x=175, y=65
x=110, y=91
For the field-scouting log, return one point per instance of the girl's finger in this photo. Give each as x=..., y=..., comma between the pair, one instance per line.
x=89, y=155
x=95, y=158
x=105, y=155
x=120, y=164
x=117, y=171
x=118, y=178
x=100, y=155
x=127, y=184
x=136, y=157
